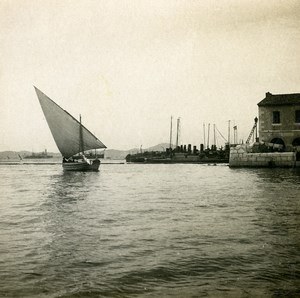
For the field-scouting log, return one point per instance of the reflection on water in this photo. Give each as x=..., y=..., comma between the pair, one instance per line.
x=65, y=224
x=149, y=230
x=70, y=185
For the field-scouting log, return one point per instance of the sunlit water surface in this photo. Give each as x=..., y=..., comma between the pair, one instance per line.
x=149, y=231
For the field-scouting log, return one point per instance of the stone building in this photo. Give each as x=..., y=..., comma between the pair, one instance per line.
x=279, y=120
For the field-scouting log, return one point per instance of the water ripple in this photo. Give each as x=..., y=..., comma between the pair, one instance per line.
x=149, y=231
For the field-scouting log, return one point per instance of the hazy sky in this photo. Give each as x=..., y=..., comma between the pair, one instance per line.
x=127, y=66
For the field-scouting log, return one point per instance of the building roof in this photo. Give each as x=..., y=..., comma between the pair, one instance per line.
x=280, y=99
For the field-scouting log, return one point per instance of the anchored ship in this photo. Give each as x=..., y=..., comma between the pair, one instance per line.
x=183, y=153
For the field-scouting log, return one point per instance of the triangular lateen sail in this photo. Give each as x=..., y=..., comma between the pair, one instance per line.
x=65, y=128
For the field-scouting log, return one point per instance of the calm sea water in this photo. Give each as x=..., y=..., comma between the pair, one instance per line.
x=149, y=231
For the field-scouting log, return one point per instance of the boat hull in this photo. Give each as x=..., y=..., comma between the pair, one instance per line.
x=81, y=166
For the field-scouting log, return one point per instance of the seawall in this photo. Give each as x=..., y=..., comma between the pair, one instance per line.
x=241, y=156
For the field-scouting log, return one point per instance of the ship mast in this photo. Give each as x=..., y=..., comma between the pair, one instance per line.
x=171, y=132
x=208, y=130
x=178, y=122
x=215, y=135
x=204, y=135
x=81, y=145
x=228, y=132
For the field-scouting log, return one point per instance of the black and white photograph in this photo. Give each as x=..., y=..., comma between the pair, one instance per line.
x=149, y=148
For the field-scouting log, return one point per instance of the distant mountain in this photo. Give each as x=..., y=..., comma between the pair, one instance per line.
x=159, y=147
x=121, y=154
x=115, y=154
x=109, y=153
x=7, y=155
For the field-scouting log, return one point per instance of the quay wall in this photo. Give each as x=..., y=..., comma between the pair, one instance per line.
x=241, y=157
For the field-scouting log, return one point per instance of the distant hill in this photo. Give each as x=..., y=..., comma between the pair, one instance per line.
x=159, y=147
x=121, y=154
x=109, y=153
x=7, y=155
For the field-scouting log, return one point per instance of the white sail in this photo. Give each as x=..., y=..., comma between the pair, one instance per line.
x=65, y=128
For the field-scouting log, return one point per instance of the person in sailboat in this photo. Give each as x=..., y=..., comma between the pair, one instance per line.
x=96, y=161
x=68, y=159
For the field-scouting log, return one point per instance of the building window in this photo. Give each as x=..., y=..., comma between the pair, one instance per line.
x=297, y=116
x=276, y=117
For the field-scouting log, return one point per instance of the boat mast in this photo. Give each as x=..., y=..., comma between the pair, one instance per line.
x=228, y=132
x=81, y=145
x=215, y=135
x=171, y=132
x=178, y=121
x=204, y=135
x=208, y=130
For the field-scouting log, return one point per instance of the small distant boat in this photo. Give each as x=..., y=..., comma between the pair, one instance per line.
x=70, y=136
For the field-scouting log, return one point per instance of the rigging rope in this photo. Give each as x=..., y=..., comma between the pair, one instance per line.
x=221, y=134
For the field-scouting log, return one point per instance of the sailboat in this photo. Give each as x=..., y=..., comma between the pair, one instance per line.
x=70, y=136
